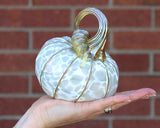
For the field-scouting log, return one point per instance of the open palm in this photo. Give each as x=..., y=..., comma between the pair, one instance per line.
x=48, y=113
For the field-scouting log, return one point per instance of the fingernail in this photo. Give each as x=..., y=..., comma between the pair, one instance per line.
x=129, y=101
x=149, y=96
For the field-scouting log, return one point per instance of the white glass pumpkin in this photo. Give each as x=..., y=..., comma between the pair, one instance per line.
x=78, y=68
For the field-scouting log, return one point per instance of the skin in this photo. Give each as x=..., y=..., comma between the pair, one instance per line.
x=49, y=113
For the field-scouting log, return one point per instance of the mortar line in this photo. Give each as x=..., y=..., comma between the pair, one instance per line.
x=134, y=74
x=134, y=52
x=16, y=73
x=110, y=36
x=134, y=7
x=151, y=63
x=35, y=29
x=152, y=107
x=10, y=117
x=153, y=18
x=114, y=29
x=138, y=74
x=109, y=6
x=29, y=84
x=121, y=117
x=30, y=39
x=157, y=73
x=72, y=19
x=30, y=6
x=110, y=3
x=154, y=63
x=18, y=95
x=30, y=3
x=110, y=123
x=3, y=51
x=141, y=29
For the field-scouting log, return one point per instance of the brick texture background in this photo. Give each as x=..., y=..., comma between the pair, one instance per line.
x=134, y=42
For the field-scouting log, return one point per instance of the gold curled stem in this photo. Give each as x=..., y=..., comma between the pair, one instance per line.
x=96, y=43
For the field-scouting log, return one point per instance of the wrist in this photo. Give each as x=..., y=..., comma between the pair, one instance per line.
x=28, y=120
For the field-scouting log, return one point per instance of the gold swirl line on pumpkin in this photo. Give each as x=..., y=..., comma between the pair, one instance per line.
x=108, y=75
x=56, y=42
x=86, y=83
x=107, y=83
x=114, y=69
x=48, y=62
x=113, y=66
x=63, y=76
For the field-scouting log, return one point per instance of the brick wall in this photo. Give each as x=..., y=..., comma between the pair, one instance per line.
x=134, y=42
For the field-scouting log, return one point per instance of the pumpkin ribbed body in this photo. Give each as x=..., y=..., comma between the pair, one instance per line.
x=61, y=76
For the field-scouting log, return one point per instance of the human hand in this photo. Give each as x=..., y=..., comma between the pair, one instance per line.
x=49, y=113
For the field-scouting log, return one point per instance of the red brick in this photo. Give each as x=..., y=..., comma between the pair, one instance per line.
x=34, y=18
x=39, y=38
x=136, y=40
x=14, y=84
x=15, y=106
x=70, y=2
x=13, y=2
x=136, y=123
x=7, y=123
x=132, y=62
x=121, y=18
x=136, y=82
x=36, y=87
x=88, y=124
x=136, y=2
x=17, y=62
x=157, y=62
x=157, y=106
x=13, y=40
x=137, y=108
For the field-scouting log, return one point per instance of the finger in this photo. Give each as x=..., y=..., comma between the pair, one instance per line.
x=135, y=95
x=120, y=98
x=139, y=94
x=148, y=91
x=99, y=105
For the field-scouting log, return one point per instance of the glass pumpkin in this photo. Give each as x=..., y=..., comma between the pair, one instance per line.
x=78, y=68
